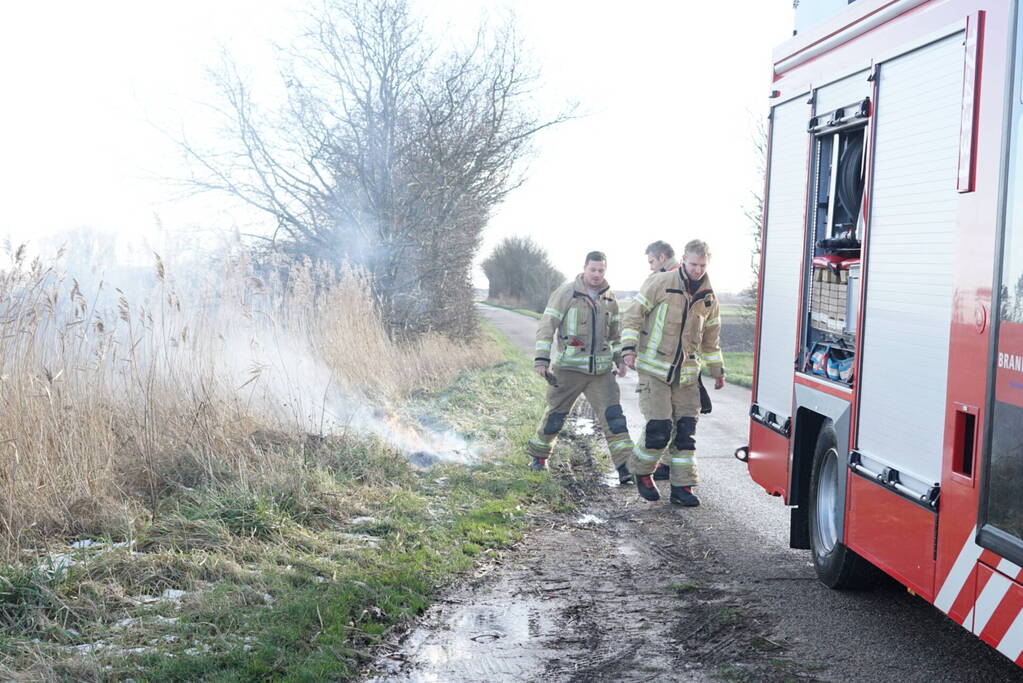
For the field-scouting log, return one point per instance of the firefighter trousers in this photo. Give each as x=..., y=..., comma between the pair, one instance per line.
x=671, y=412
x=602, y=393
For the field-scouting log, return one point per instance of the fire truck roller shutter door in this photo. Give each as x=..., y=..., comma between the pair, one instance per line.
x=844, y=92
x=908, y=297
x=783, y=245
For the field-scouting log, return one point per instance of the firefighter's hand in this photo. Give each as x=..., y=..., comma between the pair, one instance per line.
x=719, y=382
x=621, y=369
x=540, y=370
x=630, y=360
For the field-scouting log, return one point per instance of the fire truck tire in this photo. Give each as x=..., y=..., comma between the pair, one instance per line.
x=837, y=566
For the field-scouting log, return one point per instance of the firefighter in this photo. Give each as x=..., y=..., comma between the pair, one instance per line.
x=672, y=326
x=661, y=257
x=584, y=317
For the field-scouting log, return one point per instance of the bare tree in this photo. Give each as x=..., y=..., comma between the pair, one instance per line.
x=520, y=271
x=389, y=152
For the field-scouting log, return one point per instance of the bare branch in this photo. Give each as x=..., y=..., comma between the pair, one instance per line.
x=388, y=152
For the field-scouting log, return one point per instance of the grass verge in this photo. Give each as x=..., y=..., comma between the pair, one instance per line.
x=296, y=575
x=739, y=366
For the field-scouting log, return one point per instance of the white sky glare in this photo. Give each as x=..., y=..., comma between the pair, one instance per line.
x=670, y=91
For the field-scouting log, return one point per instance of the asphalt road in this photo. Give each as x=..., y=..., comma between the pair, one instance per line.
x=883, y=634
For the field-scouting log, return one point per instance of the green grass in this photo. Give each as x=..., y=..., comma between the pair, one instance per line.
x=687, y=586
x=739, y=368
x=523, y=311
x=298, y=575
x=734, y=673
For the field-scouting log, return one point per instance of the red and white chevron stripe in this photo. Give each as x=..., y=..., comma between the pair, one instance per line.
x=992, y=604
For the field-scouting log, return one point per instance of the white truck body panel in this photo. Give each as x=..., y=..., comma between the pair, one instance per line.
x=912, y=241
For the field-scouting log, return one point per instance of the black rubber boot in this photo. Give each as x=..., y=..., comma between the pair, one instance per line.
x=684, y=496
x=662, y=473
x=538, y=464
x=646, y=487
x=624, y=476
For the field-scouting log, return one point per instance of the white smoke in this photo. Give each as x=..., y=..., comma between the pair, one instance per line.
x=192, y=315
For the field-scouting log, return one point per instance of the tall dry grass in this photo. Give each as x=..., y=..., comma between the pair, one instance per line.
x=104, y=392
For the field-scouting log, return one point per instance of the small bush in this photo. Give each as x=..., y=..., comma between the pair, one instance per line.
x=520, y=272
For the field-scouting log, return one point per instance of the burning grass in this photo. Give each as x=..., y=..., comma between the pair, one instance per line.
x=295, y=566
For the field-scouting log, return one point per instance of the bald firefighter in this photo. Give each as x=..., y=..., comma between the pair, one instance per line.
x=584, y=317
x=672, y=326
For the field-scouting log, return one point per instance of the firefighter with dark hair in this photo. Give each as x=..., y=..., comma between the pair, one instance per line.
x=673, y=325
x=661, y=257
x=583, y=316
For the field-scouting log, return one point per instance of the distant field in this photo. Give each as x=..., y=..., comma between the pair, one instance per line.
x=737, y=309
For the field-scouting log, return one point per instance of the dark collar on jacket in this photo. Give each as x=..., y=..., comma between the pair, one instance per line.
x=696, y=288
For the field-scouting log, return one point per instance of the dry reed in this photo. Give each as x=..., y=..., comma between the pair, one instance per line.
x=102, y=393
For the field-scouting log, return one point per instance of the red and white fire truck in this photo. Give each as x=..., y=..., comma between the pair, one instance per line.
x=887, y=405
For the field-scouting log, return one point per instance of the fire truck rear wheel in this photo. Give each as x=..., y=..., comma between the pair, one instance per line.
x=837, y=566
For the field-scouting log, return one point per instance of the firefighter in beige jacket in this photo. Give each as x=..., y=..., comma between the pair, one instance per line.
x=583, y=316
x=660, y=256
x=673, y=324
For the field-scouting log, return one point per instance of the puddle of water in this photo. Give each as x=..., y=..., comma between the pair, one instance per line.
x=590, y=520
x=628, y=550
x=584, y=426
x=500, y=640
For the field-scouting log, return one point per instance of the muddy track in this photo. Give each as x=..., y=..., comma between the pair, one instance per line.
x=620, y=590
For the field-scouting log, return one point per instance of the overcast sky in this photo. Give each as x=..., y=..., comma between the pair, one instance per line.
x=671, y=94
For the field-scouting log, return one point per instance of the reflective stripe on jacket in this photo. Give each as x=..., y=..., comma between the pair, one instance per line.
x=587, y=331
x=671, y=330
